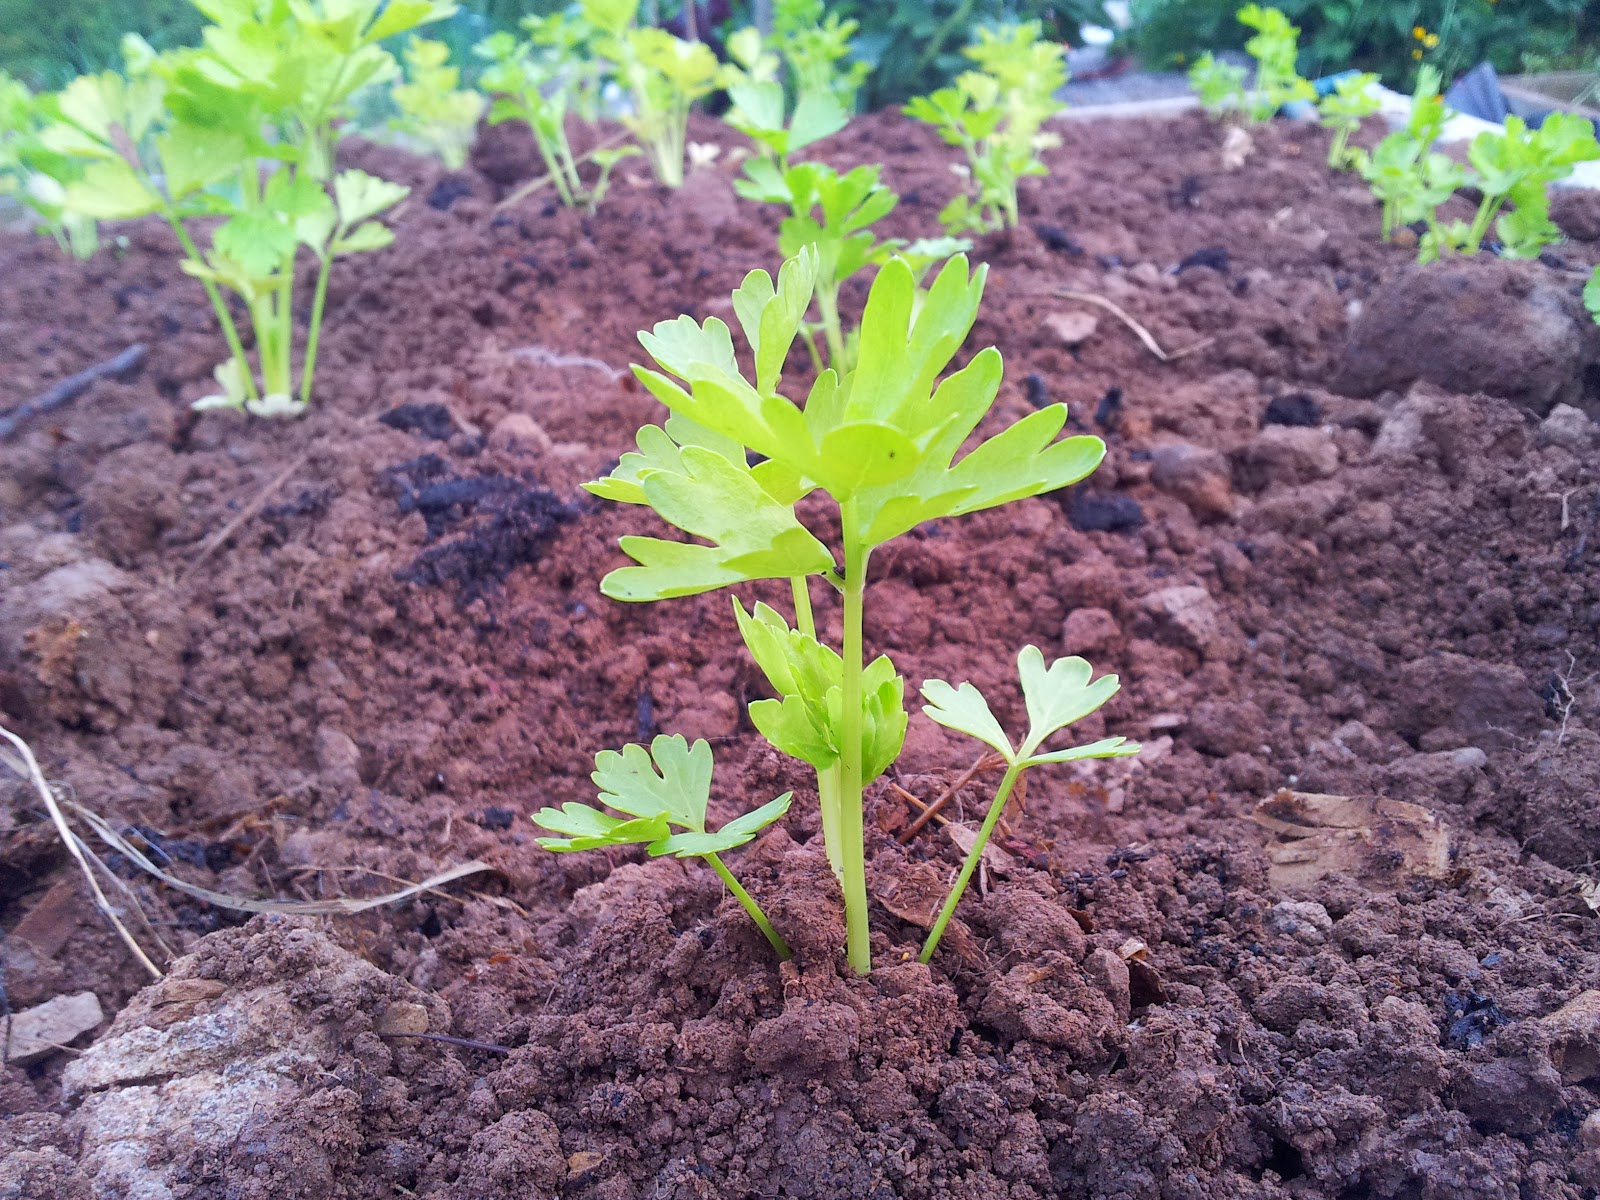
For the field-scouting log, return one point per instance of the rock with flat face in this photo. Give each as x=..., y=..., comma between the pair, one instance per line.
x=1507, y=329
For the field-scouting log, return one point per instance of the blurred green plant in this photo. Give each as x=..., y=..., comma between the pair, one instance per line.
x=435, y=115
x=35, y=176
x=1369, y=35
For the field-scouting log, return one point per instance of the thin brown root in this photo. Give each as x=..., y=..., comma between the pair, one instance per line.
x=248, y=511
x=27, y=767
x=1139, y=330
x=986, y=762
x=339, y=906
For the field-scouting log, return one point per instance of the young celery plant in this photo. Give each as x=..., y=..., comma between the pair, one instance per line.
x=816, y=49
x=1056, y=697
x=759, y=107
x=1403, y=170
x=996, y=114
x=834, y=213
x=666, y=787
x=244, y=127
x=1275, y=46
x=532, y=87
x=663, y=75
x=35, y=176
x=435, y=112
x=880, y=440
x=1343, y=110
x=1219, y=85
x=1516, y=165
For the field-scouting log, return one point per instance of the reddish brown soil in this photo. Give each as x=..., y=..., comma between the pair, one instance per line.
x=367, y=673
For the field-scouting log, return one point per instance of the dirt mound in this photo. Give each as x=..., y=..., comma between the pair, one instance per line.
x=372, y=640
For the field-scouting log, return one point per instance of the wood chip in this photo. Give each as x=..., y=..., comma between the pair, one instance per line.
x=1381, y=842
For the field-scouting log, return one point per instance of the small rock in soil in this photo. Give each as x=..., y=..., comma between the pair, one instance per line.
x=1503, y=328
x=1199, y=477
x=1215, y=257
x=1466, y=701
x=1567, y=427
x=1292, y=408
x=1575, y=1037
x=1286, y=454
x=247, y=1073
x=1057, y=239
x=448, y=190
x=1192, y=615
x=1071, y=328
x=1104, y=514
x=431, y=421
x=1089, y=630
x=40, y=1031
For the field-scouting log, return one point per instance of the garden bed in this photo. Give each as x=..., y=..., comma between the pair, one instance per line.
x=373, y=638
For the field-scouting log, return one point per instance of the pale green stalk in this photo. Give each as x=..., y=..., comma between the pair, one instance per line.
x=1013, y=773
x=230, y=331
x=852, y=824
x=827, y=777
x=832, y=330
x=314, y=334
x=751, y=907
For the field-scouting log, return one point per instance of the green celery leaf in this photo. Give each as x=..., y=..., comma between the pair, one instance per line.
x=110, y=190
x=1059, y=695
x=359, y=195
x=676, y=785
x=369, y=235
x=1115, y=747
x=731, y=836
x=589, y=829
x=754, y=536
x=258, y=242
x=966, y=710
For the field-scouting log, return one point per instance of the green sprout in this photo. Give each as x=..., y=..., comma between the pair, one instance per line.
x=1516, y=165
x=663, y=75
x=758, y=104
x=1056, y=697
x=434, y=112
x=1275, y=47
x=1343, y=110
x=532, y=86
x=832, y=213
x=815, y=46
x=1220, y=85
x=244, y=128
x=35, y=176
x=1591, y=295
x=996, y=115
x=1406, y=174
x=661, y=789
x=881, y=441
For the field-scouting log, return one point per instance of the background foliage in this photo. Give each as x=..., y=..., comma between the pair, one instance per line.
x=1379, y=35
x=915, y=45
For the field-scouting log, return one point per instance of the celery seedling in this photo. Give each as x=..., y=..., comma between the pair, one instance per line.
x=661, y=789
x=1055, y=697
x=833, y=213
x=36, y=176
x=435, y=113
x=881, y=441
x=532, y=87
x=244, y=128
x=1220, y=85
x=1343, y=110
x=663, y=75
x=1275, y=46
x=1516, y=165
x=996, y=115
x=815, y=46
x=1403, y=170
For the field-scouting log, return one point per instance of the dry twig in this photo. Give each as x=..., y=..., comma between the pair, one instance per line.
x=70, y=388
x=986, y=762
x=1139, y=330
x=249, y=510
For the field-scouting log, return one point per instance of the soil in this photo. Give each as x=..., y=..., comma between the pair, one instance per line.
x=309, y=658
